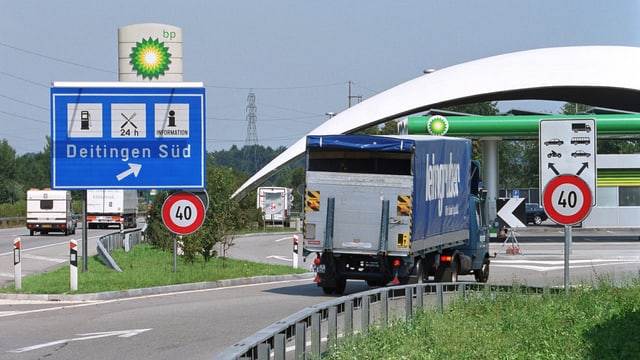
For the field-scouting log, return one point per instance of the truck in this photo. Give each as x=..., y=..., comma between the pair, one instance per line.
x=112, y=207
x=275, y=203
x=438, y=226
x=50, y=211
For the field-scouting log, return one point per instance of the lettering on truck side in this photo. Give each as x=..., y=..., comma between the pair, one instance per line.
x=443, y=181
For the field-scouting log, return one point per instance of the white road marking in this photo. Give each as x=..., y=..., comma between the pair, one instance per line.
x=82, y=337
x=550, y=265
x=45, y=258
x=283, y=258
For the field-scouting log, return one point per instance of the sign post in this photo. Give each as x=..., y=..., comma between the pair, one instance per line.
x=568, y=174
x=182, y=213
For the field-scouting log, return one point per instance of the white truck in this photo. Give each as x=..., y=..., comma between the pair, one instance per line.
x=50, y=211
x=110, y=207
x=276, y=203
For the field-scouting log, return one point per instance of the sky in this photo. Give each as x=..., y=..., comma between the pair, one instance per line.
x=299, y=57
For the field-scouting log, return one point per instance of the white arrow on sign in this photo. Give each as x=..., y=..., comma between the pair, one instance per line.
x=88, y=336
x=506, y=213
x=133, y=169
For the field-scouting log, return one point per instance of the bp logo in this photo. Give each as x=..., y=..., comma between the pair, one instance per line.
x=437, y=125
x=150, y=58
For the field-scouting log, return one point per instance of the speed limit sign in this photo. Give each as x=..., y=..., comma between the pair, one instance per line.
x=567, y=199
x=183, y=213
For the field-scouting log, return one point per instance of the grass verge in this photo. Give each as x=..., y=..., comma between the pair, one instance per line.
x=144, y=266
x=600, y=322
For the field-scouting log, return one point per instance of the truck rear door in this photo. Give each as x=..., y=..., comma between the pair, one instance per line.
x=359, y=213
x=358, y=201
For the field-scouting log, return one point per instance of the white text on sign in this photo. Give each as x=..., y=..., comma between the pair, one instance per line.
x=163, y=151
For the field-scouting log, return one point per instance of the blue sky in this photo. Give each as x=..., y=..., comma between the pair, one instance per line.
x=298, y=56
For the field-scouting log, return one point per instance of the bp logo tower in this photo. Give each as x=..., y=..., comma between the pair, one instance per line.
x=150, y=52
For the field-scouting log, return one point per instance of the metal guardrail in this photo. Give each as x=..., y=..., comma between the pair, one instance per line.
x=126, y=239
x=310, y=331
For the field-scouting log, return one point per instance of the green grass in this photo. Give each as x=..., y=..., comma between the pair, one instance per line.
x=601, y=322
x=144, y=266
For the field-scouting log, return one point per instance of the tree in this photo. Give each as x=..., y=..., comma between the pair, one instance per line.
x=605, y=146
x=224, y=216
x=486, y=108
x=10, y=189
x=574, y=108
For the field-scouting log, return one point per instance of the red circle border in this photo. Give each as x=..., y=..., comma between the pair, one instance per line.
x=166, y=215
x=581, y=214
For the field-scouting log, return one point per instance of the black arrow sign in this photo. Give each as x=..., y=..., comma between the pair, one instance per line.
x=553, y=168
x=584, y=166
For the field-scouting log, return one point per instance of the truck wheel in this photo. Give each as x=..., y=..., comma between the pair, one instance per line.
x=447, y=273
x=31, y=232
x=328, y=290
x=482, y=275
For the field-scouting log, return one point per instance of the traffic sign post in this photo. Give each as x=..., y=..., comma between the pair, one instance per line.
x=568, y=174
x=182, y=213
x=137, y=135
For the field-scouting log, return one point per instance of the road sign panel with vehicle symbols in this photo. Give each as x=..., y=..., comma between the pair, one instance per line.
x=568, y=146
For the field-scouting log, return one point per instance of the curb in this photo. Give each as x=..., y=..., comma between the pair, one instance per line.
x=120, y=294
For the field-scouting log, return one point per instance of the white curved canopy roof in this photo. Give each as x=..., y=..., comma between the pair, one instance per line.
x=606, y=76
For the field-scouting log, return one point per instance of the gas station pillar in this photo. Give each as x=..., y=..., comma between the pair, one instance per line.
x=490, y=156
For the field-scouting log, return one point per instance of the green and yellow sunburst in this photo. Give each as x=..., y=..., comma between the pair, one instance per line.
x=437, y=125
x=150, y=58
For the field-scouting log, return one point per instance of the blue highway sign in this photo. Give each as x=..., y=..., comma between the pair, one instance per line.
x=137, y=135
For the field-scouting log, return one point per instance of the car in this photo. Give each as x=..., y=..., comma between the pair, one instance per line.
x=535, y=213
x=580, y=153
x=554, y=141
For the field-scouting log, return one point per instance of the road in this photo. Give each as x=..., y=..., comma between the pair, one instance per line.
x=40, y=253
x=199, y=324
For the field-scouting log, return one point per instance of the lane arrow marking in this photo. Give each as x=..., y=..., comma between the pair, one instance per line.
x=553, y=168
x=506, y=213
x=88, y=336
x=133, y=169
x=584, y=166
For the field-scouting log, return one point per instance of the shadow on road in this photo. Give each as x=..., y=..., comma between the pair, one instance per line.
x=353, y=286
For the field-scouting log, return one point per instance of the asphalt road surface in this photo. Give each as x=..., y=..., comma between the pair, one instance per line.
x=197, y=324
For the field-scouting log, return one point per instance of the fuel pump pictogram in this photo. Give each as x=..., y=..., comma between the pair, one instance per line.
x=85, y=120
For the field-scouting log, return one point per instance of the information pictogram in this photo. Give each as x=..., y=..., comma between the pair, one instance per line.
x=183, y=213
x=567, y=199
